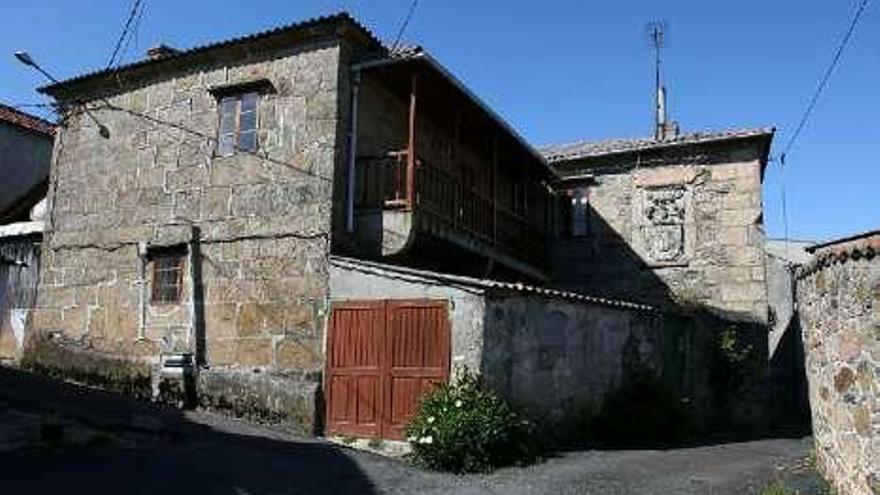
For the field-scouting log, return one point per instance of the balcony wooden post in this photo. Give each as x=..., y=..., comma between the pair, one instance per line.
x=411, y=154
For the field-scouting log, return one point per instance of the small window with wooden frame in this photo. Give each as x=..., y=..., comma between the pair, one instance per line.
x=578, y=213
x=238, y=123
x=167, y=269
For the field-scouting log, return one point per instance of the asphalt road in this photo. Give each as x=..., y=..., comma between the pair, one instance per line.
x=254, y=462
x=164, y=451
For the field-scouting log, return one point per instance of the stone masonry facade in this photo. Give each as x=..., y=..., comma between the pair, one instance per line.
x=250, y=233
x=839, y=306
x=672, y=225
x=254, y=228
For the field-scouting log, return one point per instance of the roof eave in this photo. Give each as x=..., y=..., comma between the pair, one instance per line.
x=842, y=240
x=437, y=66
x=342, y=20
x=766, y=133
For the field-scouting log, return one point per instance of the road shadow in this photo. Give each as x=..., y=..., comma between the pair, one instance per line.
x=172, y=453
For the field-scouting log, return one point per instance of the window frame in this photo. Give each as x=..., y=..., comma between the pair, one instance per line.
x=177, y=254
x=237, y=99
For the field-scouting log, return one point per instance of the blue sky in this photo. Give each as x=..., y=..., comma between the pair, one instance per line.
x=562, y=70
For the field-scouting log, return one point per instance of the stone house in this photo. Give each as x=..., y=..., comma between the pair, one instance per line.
x=675, y=221
x=316, y=229
x=25, y=155
x=838, y=304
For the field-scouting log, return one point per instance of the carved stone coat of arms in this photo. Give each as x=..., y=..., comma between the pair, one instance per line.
x=663, y=224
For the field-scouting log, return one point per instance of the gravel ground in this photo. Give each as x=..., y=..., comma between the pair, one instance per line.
x=200, y=452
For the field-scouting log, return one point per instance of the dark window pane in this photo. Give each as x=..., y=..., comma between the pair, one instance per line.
x=167, y=271
x=226, y=145
x=249, y=102
x=247, y=122
x=579, y=213
x=228, y=107
x=227, y=123
x=247, y=141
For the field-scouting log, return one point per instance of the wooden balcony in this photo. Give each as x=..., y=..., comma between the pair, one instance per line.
x=445, y=207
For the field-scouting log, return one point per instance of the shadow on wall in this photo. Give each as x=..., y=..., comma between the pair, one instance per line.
x=789, y=397
x=697, y=365
x=168, y=452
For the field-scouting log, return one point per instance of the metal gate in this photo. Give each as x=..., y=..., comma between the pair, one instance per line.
x=382, y=357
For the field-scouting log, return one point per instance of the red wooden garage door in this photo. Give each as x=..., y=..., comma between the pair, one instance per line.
x=382, y=357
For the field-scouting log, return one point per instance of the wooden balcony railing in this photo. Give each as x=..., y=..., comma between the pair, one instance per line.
x=441, y=194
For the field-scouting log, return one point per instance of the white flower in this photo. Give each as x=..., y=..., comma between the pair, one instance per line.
x=426, y=440
x=411, y=439
x=430, y=419
x=458, y=403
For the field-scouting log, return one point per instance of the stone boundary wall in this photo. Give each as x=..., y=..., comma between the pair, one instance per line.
x=839, y=305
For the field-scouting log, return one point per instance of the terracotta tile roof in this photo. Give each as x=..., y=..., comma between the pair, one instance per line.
x=589, y=149
x=865, y=245
x=26, y=121
x=848, y=241
x=481, y=284
x=339, y=18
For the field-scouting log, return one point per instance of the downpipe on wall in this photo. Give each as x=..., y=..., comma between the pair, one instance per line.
x=352, y=149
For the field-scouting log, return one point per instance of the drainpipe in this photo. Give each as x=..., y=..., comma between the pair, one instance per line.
x=142, y=289
x=352, y=148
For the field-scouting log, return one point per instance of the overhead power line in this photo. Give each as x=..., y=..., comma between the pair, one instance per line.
x=134, y=35
x=824, y=82
x=409, y=14
x=125, y=31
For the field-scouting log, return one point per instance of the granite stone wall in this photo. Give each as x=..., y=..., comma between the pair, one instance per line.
x=676, y=227
x=839, y=307
x=255, y=228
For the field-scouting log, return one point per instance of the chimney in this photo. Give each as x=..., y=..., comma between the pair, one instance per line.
x=161, y=51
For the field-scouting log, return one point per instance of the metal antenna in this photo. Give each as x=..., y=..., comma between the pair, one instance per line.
x=657, y=37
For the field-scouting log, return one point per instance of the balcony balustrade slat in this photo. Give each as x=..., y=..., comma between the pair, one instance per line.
x=440, y=194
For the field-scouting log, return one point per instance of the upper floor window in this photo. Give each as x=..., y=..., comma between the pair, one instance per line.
x=238, y=123
x=579, y=212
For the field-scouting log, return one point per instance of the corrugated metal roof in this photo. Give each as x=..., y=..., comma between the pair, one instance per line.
x=26, y=121
x=589, y=149
x=182, y=54
x=485, y=284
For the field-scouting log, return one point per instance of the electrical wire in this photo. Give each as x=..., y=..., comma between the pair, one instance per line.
x=838, y=54
x=125, y=30
x=134, y=36
x=412, y=9
x=824, y=82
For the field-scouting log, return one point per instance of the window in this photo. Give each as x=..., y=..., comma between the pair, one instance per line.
x=579, y=212
x=167, y=277
x=238, y=123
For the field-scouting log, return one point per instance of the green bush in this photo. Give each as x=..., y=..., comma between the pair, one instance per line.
x=464, y=429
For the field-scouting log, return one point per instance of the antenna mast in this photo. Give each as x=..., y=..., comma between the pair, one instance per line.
x=657, y=37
